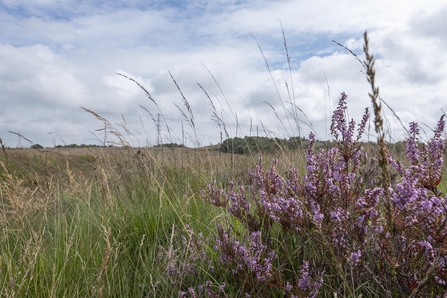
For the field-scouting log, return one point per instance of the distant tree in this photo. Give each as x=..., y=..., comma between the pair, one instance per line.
x=262, y=144
x=36, y=146
x=171, y=145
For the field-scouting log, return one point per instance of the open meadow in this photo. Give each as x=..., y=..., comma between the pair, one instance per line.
x=91, y=222
x=348, y=219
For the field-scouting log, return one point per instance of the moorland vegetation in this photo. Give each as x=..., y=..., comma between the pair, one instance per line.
x=345, y=220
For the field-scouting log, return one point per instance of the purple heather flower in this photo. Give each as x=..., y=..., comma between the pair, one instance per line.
x=211, y=267
x=440, y=281
x=355, y=257
x=412, y=149
x=339, y=214
x=305, y=282
x=406, y=192
x=222, y=287
x=361, y=202
x=234, y=253
x=318, y=218
x=378, y=229
x=429, y=251
x=191, y=292
x=359, y=221
x=426, y=205
x=362, y=124
x=172, y=270
x=397, y=165
x=208, y=290
x=338, y=118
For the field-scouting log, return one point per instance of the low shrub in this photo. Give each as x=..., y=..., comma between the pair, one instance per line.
x=336, y=229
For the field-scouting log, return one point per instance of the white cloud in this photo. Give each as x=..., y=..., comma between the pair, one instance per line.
x=59, y=55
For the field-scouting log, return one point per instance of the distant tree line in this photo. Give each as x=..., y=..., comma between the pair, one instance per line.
x=257, y=145
x=38, y=146
x=261, y=144
x=170, y=145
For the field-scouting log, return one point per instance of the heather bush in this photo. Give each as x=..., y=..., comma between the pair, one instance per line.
x=336, y=229
x=357, y=223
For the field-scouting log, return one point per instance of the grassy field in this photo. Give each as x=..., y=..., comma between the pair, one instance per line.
x=89, y=222
x=115, y=222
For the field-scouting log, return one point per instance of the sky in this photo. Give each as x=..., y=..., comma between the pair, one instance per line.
x=73, y=72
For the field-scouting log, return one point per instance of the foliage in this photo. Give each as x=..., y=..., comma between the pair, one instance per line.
x=334, y=225
x=170, y=145
x=83, y=222
x=78, y=146
x=249, y=145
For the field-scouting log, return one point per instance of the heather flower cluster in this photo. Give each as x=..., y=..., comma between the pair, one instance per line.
x=337, y=211
x=253, y=259
x=185, y=261
x=336, y=229
x=206, y=290
x=307, y=283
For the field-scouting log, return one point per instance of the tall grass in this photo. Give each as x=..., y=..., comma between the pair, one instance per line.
x=56, y=218
x=344, y=221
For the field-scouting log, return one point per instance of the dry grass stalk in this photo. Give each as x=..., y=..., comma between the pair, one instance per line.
x=365, y=66
x=108, y=125
x=291, y=97
x=21, y=136
x=276, y=88
x=378, y=124
x=151, y=99
x=17, y=197
x=105, y=262
x=3, y=148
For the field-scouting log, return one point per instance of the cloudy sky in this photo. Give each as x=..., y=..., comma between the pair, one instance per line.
x=57, y=56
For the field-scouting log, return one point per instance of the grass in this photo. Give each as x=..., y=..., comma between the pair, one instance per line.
x=83, y=220
x=168, y=222
x=59, y=248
